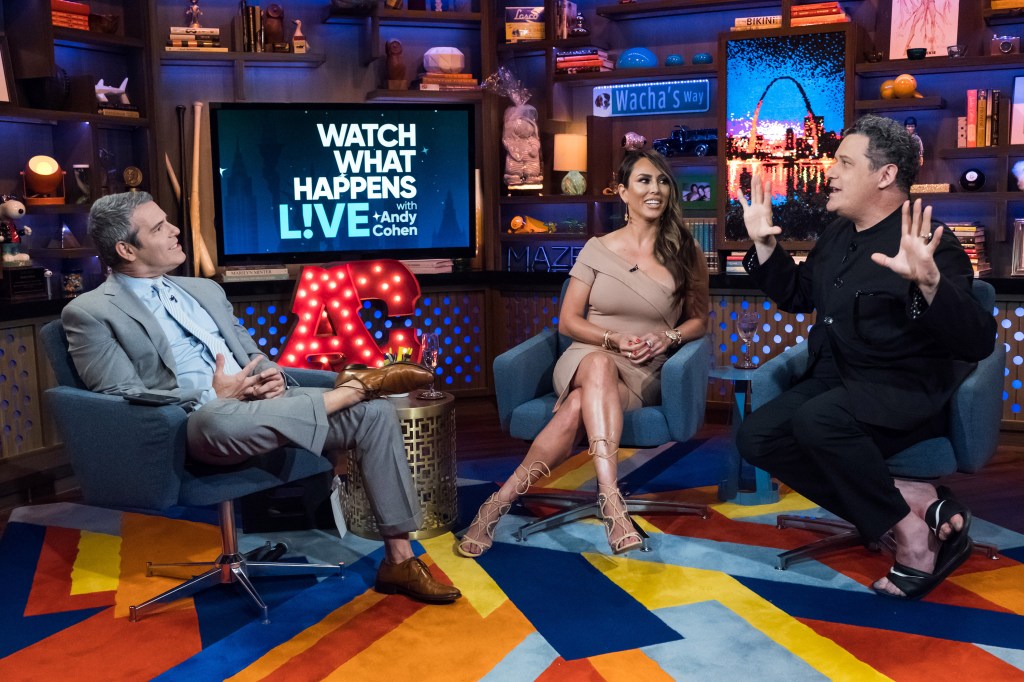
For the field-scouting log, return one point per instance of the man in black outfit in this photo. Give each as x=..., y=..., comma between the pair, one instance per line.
x=897, y=331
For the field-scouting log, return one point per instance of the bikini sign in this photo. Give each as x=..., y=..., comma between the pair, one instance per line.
x=643, y=99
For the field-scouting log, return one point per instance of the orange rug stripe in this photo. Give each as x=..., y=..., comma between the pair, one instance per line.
x=934, y=660
x=580, y=670
x=104, y=648
x=51, y=585
x=342, y=644
x=443, y=643
x=628, y=666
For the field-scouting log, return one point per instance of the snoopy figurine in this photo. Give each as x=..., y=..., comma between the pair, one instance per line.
x=10, y=233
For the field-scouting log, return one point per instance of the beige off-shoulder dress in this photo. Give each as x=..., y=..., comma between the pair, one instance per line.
x=621, y=300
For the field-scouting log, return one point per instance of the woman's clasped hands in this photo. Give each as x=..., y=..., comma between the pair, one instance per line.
x=640, y=349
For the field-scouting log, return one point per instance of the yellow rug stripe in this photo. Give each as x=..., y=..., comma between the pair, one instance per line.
x=98, y=564
x=1000, y=586
x=283, y=653
x=476, y=585
x=443, y=643
x=789, y=502
x=628, y=666
x=659, y=586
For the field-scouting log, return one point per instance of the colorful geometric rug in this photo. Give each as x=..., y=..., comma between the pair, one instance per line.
x=705, y=604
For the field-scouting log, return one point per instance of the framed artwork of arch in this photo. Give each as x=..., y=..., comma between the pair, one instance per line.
x=786, y=99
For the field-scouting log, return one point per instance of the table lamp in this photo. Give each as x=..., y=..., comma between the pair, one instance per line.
x=43, y=180
x=571, y=156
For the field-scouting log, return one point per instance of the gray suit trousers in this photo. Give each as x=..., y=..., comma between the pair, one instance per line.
x=227, y=431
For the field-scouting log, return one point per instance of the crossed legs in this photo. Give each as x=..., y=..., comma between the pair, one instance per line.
x=594, y=402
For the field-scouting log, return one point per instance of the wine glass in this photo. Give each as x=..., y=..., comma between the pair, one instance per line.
x=430, y=349
x=746, y=325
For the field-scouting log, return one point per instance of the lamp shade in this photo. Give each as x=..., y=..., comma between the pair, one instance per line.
x=42, y=175
x=570, y=152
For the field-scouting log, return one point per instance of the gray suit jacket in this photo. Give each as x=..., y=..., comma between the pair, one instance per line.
x=118, y=346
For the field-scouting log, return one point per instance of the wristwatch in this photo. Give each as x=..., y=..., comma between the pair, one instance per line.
x=674, y=337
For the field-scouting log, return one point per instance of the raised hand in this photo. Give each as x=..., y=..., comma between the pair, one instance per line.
x=915, y=260
x=757, y=215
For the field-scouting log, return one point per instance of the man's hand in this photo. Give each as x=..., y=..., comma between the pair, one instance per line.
x=240, y=386
x=757, y=215
x=270, y=384
x=916, y=258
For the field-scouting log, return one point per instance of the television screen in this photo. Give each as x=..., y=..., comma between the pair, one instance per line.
x=313, y=183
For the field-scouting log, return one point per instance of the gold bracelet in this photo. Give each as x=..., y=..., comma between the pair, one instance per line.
x=674, y=337
x=604, y=341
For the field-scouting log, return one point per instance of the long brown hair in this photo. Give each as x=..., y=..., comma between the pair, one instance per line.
x=675, y=247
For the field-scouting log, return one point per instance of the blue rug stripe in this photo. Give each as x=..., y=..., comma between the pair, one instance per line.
x=247, y=644
x=721, y=645
x=528, y=661
x=558, y=591
x=928, y=619
x=19, y=555
x=223, y=609
x=1016, y=553
x=691, y=464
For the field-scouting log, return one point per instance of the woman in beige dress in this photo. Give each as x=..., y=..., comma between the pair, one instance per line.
x=634, y=295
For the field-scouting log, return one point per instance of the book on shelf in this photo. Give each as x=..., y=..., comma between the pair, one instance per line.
x=564, y=59
x=581, y=52
x=982, y=104
x=767, y=21
x=428, y=266
x=448, y=78
x=189, y=31
x=571, y=67
x=66, y=20
x=972, y=118
x=565, y=13
x=175, y=42
x=961, y=132
x=254, y=272
x=995, y=110
x=69, y=7
x=120, y=111
x=447, y=88
x=816, y=7
x=814, y=20
x=1007, y=4
x=584, y=69
x=195, y=49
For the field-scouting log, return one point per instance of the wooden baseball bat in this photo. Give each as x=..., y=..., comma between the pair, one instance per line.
x=184, y=221
x=204, y=264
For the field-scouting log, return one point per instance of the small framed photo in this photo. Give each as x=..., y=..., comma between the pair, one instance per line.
x=1017, y=266
x=697, y=186
x=1017, y=112
x=6, y=74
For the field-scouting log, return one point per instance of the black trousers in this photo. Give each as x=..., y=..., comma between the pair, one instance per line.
x=810, y=440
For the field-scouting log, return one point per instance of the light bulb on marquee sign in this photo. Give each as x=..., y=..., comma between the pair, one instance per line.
x=328, y=332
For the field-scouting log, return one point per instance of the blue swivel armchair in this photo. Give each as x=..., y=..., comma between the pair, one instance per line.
x=525, y=396
x=132, y=457
x=974, y=416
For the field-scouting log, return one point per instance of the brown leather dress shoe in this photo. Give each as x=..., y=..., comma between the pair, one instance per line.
x=412, y=578
x=399, y=377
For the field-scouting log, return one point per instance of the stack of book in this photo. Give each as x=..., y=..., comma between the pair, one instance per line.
x=817, y=13
x=981, y=125
x=703, y=230
x=253, y=273
x=972, y=236
x=67, y=14
x=582, y=60
x=448, y=81
x=799, y=15
x=188, y=39
x=734, y=263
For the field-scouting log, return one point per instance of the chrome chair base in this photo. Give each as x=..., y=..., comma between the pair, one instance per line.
x=230, y=567
x=841, y=535
x=579, y=506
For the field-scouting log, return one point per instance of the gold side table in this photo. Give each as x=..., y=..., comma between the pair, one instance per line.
x=428, y=428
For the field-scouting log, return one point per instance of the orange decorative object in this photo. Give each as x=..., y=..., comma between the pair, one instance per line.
x=329, y=333
x=517, y=223
x=886, y=89
x=905, y=86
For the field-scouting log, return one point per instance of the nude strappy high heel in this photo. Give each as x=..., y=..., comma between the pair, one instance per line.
x=493, y=509
x=612, y=507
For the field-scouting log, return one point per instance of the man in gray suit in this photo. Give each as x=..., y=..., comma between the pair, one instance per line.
x=141, y=331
